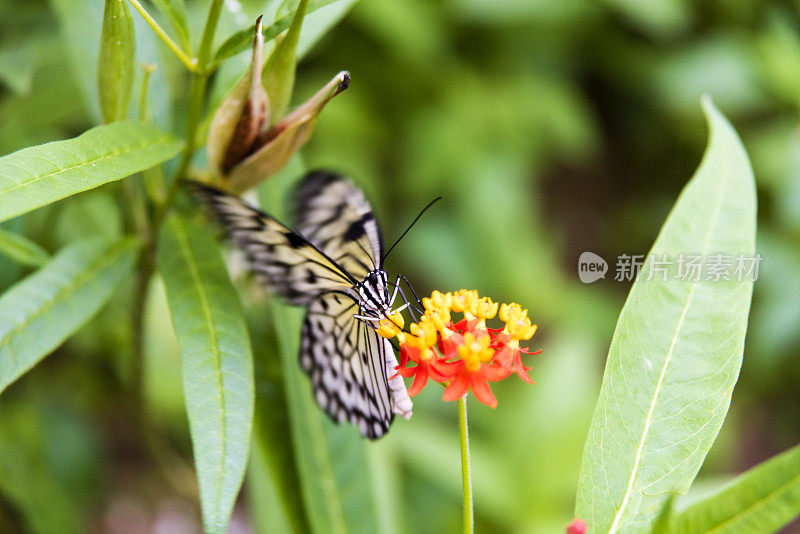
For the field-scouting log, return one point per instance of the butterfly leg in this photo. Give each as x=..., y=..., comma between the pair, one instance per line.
x=401, y=308
x=394, y=293
x=411, y=307
x=411, y=288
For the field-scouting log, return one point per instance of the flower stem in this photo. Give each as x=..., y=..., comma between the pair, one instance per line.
x=466, y=476
x=191, y=63
x=197, y=94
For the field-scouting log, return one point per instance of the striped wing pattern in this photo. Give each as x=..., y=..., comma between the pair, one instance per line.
x=291, y=266
x=346, y=361
x=333, y=214
x=338, y=245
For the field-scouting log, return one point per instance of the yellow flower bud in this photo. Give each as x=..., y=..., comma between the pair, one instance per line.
x=485, y=308
x=465, y=301
x=438, y=318
x=475, y=351
x=391, y=326
x=424, y=335
x=438, y=301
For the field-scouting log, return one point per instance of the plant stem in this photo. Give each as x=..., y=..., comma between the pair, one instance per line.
x=153, y=178
x=204, y=52
x=197, y=94
x=191, y=63
x=144, y=272
x=466, y=476
x=136, y=201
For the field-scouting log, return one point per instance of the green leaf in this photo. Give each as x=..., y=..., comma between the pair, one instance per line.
x=38, y=175
x=115, y=62
x=22, y=249
x=761, y=500
x=676, y=352
x=269, y=512
x=19, y=63
x=332, y=461
x=40, y=312
x=217, y=363
x=336, y=477
x=27, y=477
x=242, y=40
x=279, y=72
x=175, y=11
x=272, y=479
x=80, y=28
x=317, y=24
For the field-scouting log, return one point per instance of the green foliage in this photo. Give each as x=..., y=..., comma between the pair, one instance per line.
x=279, y=70
x=80, y=40
x=335, y=481
x=242, y=40
x=22, y=250
x=27, y=478
x=274, y=485
x=44, y=309
x=332, y=460
x=676, y=352
x=216, y=360
x=175, y=11
x=763, y=499
x=115, y=63
x=549, y=128
x=36, y=176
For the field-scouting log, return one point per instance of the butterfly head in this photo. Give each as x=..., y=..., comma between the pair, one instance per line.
x=374, y=293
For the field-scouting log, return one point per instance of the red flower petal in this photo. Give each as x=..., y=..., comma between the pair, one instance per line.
x=522, y=371
x=449, y=346
x=443, y=371
x=407, y=371
x=420, y=380
x=504, y=357
x=403, y=356
x=481, y=389
x=494, y=373
x=457, y=387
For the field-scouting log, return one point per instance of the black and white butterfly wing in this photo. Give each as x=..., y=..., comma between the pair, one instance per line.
x=333, y=214
x=350, y=366
x=291, y=266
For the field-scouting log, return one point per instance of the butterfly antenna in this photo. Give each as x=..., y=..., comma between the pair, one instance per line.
x=410, y=226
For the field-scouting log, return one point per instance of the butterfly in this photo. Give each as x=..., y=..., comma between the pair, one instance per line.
x=333, y=265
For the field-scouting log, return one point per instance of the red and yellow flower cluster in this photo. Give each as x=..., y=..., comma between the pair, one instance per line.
x=468, y=353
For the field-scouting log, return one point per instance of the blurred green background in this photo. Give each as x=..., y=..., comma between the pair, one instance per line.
x=550, y=128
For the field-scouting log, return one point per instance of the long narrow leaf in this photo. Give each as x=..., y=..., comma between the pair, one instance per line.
x=242, y=40
x=22, y=250
x=272, y=479
x=27, y=478
x=80, y=29
x=38, y=175
x=761, y=500
x=676, y=352
x=115, y=62
x=175, y=11
x=331, y=460
x=217, y=364
x=41, y=311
